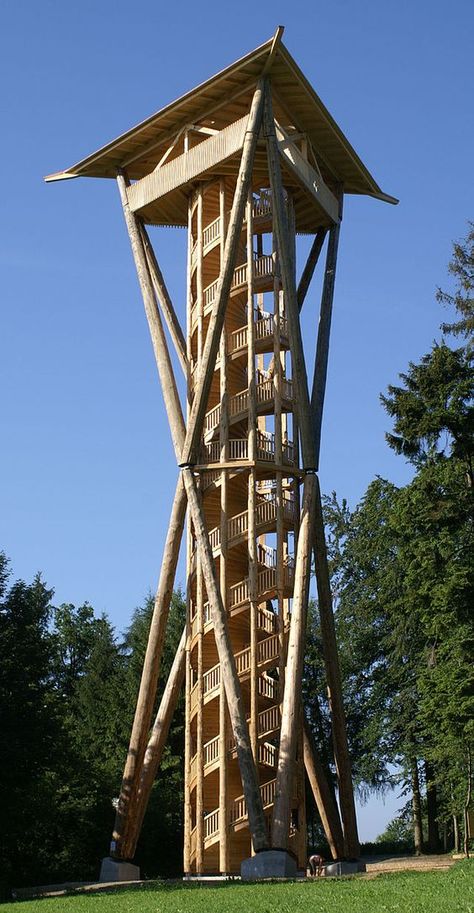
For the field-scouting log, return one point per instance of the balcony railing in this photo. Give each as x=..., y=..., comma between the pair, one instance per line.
x=238, y=449
x=263, y=268
x=238, y=810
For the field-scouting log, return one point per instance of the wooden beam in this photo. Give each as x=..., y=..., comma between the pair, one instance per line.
x=228, y=669
x=125, y=830
x=160, y=348
x=165, y=302
x=145, y=151
x=273, y=50
x=294, y=668
x=306, y=174
x=224, y=648
x=188, y=166
x=189, y=454
x=157, y=740
x=324, y=330
x=333, y=676
x=323, y=796
x=287, y=276
x=310, y=266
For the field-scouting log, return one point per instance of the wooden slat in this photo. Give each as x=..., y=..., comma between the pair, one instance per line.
x=187, y=166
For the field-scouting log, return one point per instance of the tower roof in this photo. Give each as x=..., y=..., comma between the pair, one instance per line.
x=220, y=101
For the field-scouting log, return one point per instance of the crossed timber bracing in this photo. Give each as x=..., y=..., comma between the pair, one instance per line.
x=246, y=161
x=249, y=702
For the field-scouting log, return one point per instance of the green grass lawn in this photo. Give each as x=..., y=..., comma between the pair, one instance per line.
x=448, y=891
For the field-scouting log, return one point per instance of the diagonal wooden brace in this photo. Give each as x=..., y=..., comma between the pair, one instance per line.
x=224, y=649
x=125, y=829
x=294, y=668
x=165, y=302
x=285, y=259
x=333, y=676
x=322, y=346
x=189, y=454
x=158, y=736
x=323, y=796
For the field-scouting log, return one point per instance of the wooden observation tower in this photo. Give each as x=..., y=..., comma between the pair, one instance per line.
x=246, y=162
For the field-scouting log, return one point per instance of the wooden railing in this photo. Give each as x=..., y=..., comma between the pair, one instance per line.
x=211, y=679
x=266, y=620
x=268, y=649
x=238, y=810
x=211, y=751
x=266, y=583
x=211, y=824
x=211, y=233
x=269, y=720
x=242, y=661
x=212, y=419
x=268, y=687
x=268, y=754
x=209, y=294
x=263, y=269
x=210, y=756
x=239, y=403
x=264, y=329
x=262, y=206
x=238, y=449
x=238, y=525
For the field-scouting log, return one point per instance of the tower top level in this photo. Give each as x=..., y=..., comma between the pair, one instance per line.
x=200, y=136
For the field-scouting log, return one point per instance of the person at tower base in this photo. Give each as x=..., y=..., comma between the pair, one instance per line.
x=316, y=865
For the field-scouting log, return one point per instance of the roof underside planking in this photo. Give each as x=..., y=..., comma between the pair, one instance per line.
x=214, y=106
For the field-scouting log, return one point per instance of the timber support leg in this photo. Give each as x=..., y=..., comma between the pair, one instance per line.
x=125, y=827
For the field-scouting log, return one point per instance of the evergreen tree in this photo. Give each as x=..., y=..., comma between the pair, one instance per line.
x=461, y=268
x=30, y=736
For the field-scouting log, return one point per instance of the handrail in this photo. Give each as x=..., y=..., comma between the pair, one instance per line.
x=238, y=449
x=238, y=811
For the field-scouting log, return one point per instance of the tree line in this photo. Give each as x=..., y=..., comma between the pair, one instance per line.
x=403, y=586
x=68, y=687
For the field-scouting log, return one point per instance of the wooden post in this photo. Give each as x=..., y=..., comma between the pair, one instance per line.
x=333, y=675
x=310, y=266
x=294, y=668
x=286, y=266
x=191, y=446
x=322, y=347
x=187, y=738
x=224, y=863
x=323, y=796
x=252, y=481
x=160, y=347
x=165, y=302
x=228, y=671
x=125, y=829
x=199, y=727
x=159, y=735
x=175, y=417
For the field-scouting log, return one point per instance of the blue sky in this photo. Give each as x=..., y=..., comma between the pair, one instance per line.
x=87, y=469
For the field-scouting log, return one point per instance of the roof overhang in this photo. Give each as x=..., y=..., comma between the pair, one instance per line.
x=223, y=99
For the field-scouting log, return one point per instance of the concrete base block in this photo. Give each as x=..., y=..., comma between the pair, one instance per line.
x=268, y=864
x=115, y=870
x=344, y=868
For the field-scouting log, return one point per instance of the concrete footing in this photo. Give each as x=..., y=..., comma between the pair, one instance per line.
x=116, y=870
x=344, y=868
x=268, y=864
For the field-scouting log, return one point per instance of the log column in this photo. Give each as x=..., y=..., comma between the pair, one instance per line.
x=224, y=863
